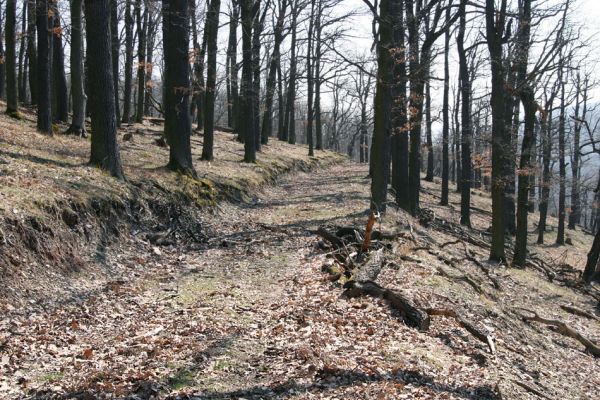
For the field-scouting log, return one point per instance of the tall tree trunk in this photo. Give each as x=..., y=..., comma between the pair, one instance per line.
x=60, y=92
x=10, y=59
x=466, y=137
x=105, y=148
x=142, y=29
x=231, y=67
x=546, y=130
x=178, y=125
x=77, y=85
x=575, y=215
x=280, y=103
x=44, y=67
x=128, y=73
x=115, y=44
x=256, y=32
x=446, y=117
x=289, y=129
x=247, y=107
x=267, y=125
x=560, y=234
x=212, y=26
x=22, y=68
x=32, y=51
x=3, y=63
x=495, y=26
x=428, y=125
x=399, y=116
x=456, y=138
x=310, y=82
x=318, y=55
x=150, y=42
x=380, y=146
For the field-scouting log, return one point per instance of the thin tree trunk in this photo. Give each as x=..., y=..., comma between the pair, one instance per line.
x=128, y=73
x=60, y=92
x=212, y=26
x=12, y=107
x=150, y=42
x=44, y=67
x=247, y=107
x=310, y=82
x=77, y=90
x=32, y=51
x=446, y=117
x=560, y=235
x=466, y=137
x=142, y=26
x=546, y=174
x=22, y=68
x=115, y=44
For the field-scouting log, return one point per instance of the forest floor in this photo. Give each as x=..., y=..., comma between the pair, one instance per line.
x=248, y=313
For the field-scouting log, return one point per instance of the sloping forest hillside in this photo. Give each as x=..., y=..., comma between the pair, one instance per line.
x=299, y=199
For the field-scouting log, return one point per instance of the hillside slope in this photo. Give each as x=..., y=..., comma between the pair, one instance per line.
x=59, y=217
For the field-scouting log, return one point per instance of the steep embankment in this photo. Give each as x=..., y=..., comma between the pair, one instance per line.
x=59, y=216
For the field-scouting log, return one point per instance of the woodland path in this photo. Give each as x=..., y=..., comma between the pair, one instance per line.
x=194, y=319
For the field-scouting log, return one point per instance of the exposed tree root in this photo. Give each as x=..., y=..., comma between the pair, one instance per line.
x=471, y=328
x=564, y=330
x=580, y=312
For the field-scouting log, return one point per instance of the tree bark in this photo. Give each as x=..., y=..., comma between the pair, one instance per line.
x=142, y=27
x=446, y=118
x=105, y=148
x=380, y=145
x=10, y=59
x=212, y=26
x=466, y=137
x=44, y=67
x=31, y=50
x=128, y=73
x=60, y=92
x=77, y=85
x=560, y=235
x=178, y=125
x=115, y=45
x=248, y=97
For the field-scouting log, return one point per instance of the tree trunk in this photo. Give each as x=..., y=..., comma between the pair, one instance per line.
x=60, y=92
x=309, y=82
x=115, y=44
x=178, y=125
x=428, y=125
x=212, y=26
x=318, y=55
x=289, y=125
x=495, y=25
x=22, y=69
x=592, y=267
x=231, y=67
x=546, y=174
x=248, y=97
x=466, y=137
x=575, y=215
x=2, y=64
x=446, y=117
x=77, y=90
x=142, y=28
x=560, y=235
x=267, y=125
x=128, y=73
x=382, y=108
x=10, y=59
x=256, y=32
x=150, y=42
x=105, y=148
x=44, y=67
x=32, y=51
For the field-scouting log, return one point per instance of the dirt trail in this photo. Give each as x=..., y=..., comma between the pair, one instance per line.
x=183, y=318
x=249, y=314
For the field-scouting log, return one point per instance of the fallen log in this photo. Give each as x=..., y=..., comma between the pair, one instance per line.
x=564, y=330
x=468, y=326
x=330, y=237
x=531, y=389
x=414, y=316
